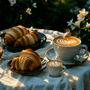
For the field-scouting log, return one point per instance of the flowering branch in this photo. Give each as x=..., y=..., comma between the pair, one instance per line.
x=80, y=20
x=28, y=10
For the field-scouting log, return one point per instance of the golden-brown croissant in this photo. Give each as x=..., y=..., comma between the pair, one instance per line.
x=31, y=54
x=14, y=33
x=28, y=60
x=28, y=39
x=23, y=63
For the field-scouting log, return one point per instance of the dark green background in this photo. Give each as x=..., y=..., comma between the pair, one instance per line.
x=52, y=14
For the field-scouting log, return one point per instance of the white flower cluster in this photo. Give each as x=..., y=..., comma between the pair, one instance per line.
x=82, y=15
x=34, y=5
x=28, y=10
x=12, y=2
x=80, y=18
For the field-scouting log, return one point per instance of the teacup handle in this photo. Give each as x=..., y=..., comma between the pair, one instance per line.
x=64, y=68
x=84, y=46
x=82, y=52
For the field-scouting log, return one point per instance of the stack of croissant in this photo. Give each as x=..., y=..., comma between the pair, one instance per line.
x=28, y=60
x=19, y=36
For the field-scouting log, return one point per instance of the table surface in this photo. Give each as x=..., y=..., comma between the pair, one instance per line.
x=74, y=78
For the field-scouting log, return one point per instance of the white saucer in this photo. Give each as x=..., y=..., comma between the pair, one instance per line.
x=51, y=55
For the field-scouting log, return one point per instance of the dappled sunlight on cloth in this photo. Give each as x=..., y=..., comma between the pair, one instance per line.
x=76, y=77
x=89, y=58
x=10, y=81
x=79, y=77
x=46, y=80
x=72, y=78
x=58, y=83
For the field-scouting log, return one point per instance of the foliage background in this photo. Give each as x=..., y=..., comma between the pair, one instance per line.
x=49, y=14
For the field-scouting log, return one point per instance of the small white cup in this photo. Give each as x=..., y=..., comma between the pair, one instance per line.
x=55, y=71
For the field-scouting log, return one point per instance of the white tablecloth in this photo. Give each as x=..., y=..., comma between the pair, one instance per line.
x=77, y=77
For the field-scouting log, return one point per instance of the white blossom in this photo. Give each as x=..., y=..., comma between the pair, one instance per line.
x=80, y=17
x=72, y=27
x=77, y=23
x=83, y=12
x=70, y=22
x=28, y=10
x=34, y=5
x=12, y=2
x=87, y=24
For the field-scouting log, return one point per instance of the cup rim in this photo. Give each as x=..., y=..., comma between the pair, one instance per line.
x=54, y=60
x=66, y=46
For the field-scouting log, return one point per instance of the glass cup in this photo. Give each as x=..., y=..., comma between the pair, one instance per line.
x=1, y=49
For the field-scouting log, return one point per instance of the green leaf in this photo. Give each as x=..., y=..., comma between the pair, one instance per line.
x=83, y=21
x=84, y=28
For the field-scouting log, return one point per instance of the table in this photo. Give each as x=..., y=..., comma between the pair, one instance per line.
x=74, y=78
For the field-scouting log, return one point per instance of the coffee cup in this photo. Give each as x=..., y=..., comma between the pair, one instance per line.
x=55, y=68
x=67, y=48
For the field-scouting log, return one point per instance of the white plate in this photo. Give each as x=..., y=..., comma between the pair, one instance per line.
x=51, y=55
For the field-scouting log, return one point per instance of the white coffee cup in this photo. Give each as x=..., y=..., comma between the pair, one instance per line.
x=67, y=52
x=55, y=68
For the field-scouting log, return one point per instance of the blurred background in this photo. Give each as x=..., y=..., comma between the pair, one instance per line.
x=48, y=14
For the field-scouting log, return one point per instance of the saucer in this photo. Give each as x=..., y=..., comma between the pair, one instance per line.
x=51, y=55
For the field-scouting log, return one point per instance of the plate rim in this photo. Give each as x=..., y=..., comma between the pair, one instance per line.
x=27, y=72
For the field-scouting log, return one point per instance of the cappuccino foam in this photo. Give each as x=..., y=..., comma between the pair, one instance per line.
x=54, y=63
x=67, y=41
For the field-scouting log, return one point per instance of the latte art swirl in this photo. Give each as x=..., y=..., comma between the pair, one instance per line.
x=66, y=42
x=54, y=63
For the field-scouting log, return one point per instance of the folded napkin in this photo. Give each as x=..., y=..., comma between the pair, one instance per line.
x=9, y=55
x=81, y=57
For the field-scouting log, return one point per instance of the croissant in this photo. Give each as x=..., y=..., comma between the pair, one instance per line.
x=14, y=33
x=28, y=60
x=23, y=63
x=31, y=54
x=28, y=39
